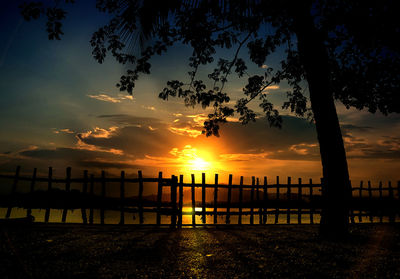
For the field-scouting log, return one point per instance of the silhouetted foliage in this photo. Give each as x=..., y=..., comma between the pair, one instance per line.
x=344, y=50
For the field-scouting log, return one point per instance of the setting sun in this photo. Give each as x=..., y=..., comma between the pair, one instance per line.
x=199, y=164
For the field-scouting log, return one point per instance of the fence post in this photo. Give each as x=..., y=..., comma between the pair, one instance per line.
x=380, y=199
x=122, y=198
x=277, y=201
x=91, y=191
x=351, y=210
x=67, y=190
x=311, y=201
x=398, y=193
x=299, y=199
x=159, y=198
x=13, y=190
x=193, y=201
x=216, y=199
x=265, y=198
x=228, y=206
x=180, y=201
x=240, y=200
x=203, y=197
x=260, y=211
x=47, y=213
x=174, y=182
x=360, y=196
x=369, y=190
x=391, y=197
x=253, y=182
x=84, y=191
x=370, y=198
x=29, y=211
x=140, y=201
x=103, y=196
x=398, y=189
x=288, y=197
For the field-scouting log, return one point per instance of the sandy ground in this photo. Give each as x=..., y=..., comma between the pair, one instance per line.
x=277, y=251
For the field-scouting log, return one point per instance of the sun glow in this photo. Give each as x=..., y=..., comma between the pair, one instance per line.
x=199, y=164
x=193, y=160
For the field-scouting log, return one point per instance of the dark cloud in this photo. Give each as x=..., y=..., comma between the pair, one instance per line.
x=106, y=165
x=259, y=136
x=136, y=141
x=351, y=127
x=131, y=120
x=358, y=147
x=72, y=154
x=365, y=119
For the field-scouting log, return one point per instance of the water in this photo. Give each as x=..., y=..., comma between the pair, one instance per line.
x=113, y=217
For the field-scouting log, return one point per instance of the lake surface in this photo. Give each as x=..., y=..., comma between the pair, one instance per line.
x=113, y=217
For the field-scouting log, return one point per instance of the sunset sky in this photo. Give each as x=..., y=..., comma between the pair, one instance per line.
x=60, y=108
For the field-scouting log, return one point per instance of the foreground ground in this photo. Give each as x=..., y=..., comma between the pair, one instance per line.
x=280, y=251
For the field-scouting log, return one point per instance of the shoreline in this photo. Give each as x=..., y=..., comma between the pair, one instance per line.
x=271, y=251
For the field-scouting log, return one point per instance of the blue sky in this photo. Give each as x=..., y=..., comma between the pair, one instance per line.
x=61, y=108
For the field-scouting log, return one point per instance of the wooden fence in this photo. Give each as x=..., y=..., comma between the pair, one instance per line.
x=258, y=201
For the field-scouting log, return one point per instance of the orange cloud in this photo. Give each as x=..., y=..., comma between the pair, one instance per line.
x=99, y=133
x=186, y=131
x=302, y=148
x=110, y=99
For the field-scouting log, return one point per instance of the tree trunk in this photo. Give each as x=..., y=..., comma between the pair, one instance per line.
x=336, y=188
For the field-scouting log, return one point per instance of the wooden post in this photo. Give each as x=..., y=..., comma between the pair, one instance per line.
x=277, y=200
x=253, y=182
x=29, y=211
x=398, y=189
x=299, y=198
x=103, y=196
x=380, y=199
x=174, y=182
x=203, y=197
x=13, y=190
x=311, y=200
x=122, y=198
x=47, y=213
x=159, y=198
x=216, y=199
x=398, y=193
x=360, y=196
x=240, y=200
x=265, y=198
x=351, y=211
x=67, y=191
x=391, y=197
x=259, y=201
x=228, y=206
x=91, y=191
x=369, y=190
x=84, y=194
x=288, y=197
x=140, y=198
x=180, y=201
x=193, y=201
x=370, y=198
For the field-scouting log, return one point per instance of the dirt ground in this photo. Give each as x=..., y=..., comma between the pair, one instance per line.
x=277, y=251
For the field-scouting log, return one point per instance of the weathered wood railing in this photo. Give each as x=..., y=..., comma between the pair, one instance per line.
x=262, y=200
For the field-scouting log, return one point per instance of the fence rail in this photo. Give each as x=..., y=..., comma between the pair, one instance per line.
x=258, y=201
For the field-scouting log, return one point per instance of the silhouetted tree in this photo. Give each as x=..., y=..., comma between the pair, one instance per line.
x=343, y=50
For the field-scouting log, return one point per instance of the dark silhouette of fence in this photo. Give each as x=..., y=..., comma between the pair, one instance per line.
x=260, y=200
